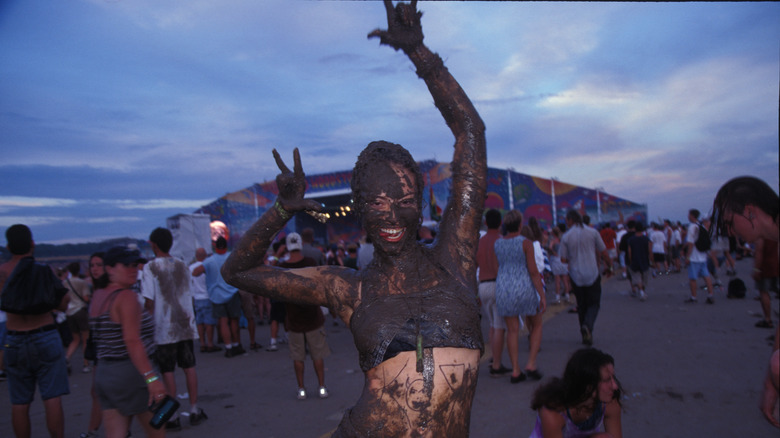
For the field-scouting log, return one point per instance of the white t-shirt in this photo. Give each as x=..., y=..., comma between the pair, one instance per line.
x=693, y=234
x=198, y=284
x=166, y=280
x=658, y=238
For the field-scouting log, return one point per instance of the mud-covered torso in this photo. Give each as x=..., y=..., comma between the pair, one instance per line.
x=444, y=312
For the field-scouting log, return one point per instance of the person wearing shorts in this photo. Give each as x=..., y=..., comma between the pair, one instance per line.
x=165, y=285
x=304, y=325
x=697, y=260
x=204, y=311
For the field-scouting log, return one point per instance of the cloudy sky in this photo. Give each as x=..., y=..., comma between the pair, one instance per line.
x=116, y=114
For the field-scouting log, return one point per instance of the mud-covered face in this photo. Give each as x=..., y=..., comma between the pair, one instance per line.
x=391, y=214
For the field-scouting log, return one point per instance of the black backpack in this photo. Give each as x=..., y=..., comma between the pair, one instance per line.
x=737, y=288
x=703, y=242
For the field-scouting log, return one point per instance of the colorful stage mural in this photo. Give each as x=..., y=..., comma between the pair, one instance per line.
x=507, y=190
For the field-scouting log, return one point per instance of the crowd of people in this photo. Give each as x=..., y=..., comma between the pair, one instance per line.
x=167, y=306
x=412, y=297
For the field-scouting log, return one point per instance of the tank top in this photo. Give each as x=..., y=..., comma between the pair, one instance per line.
x=445, y=316
x=108, y=334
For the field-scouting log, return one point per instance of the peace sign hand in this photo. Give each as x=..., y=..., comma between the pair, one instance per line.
x=292, y=185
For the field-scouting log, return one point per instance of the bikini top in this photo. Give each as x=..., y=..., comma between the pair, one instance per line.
x=385, y=325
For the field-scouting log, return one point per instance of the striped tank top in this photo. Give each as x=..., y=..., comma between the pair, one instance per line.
x=107, y=334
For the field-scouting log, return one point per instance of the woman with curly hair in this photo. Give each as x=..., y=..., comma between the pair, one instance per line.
x=584, y=403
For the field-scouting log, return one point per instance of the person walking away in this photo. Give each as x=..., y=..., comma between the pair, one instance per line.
x=305, y=325
x=32, y=334
x=579, y=247
x=165, y=285
x=79, y=294
x=639, y=256
x=488, y=270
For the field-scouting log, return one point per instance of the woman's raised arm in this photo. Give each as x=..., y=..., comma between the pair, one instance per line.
x=463, y=215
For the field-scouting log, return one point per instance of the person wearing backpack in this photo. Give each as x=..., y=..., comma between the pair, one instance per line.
x=696, y=248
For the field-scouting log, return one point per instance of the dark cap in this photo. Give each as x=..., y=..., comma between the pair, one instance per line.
x=123, y=255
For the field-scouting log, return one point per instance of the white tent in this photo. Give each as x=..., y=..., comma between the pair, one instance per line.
x=190, y=232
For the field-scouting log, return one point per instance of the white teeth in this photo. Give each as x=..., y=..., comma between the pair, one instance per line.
x=392, y=231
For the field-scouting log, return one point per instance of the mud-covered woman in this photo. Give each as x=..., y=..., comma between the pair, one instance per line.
x=413, y=311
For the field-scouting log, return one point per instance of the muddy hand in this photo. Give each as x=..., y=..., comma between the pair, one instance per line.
x=292, y=186
x=404, y=30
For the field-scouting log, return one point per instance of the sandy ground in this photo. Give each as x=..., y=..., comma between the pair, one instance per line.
x=689, y=370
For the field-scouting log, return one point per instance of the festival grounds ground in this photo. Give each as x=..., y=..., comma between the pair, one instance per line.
x=688, y=370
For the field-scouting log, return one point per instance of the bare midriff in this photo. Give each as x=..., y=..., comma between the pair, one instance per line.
x=400, y=401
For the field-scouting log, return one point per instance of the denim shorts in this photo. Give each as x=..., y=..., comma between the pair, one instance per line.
x=229, y=309
x=697, y=270
x=35, y=358
x=204, y=312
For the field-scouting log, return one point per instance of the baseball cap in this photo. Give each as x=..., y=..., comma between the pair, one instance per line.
x=294, y=242
x=123, y=255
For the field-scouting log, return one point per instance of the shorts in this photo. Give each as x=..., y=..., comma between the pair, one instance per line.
x=229, y=309
x=659, y=257
x=638, y=277
x=612, y=253
x=79, y=321
x=179, y=353
x=120, y=386
x=204, y=312
x=248, y=304
x=278, y=311
x=316, y=341
x=764, y=284
x=32, y=358
x=697, y=270
x=622, y=259
x=487, y=295
x=675, y=252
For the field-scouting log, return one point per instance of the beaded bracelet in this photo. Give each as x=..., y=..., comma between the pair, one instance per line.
x=282, y=212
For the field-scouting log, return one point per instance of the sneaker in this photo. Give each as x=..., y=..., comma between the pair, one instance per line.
x=239, y=350
x=324, y=392
x=272, y=347
x=587, y=337
x=173, y=426
x=301, y=394
x=710, y=300
x=230, y=352
x=198, y=417
x=691, y=300
x=642, y=296
x=86, y=369
x=90, y=434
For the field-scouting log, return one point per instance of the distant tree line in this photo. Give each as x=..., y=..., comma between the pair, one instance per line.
x=76, y=251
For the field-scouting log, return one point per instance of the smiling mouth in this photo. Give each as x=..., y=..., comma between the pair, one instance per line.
x=391, y=234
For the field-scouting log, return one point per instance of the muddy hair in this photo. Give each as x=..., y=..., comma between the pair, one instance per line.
x=737, y=194
x=390, y=153
x=580, y=379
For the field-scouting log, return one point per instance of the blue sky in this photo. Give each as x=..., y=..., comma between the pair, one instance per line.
x=116, y=114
